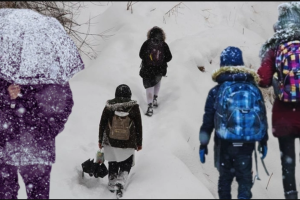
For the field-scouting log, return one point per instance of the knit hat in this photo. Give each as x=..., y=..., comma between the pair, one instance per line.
x=231, y=56
x=123, y=91
x=289, y=15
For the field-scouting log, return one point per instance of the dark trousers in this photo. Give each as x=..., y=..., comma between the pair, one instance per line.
x=235, y=162
x=287, y=149
x=36, y=179
x=114, y=168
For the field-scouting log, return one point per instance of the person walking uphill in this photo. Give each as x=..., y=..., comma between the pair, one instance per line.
x=235, y=109
x=280, y=55
x=155, y=54
x=120, y=134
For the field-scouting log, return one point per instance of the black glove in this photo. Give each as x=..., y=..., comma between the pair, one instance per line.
x=263, y=149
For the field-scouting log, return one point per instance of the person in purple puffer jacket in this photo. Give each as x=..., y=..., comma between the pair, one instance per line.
x=30, y=119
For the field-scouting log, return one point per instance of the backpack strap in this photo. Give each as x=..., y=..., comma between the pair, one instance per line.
x=278, y=68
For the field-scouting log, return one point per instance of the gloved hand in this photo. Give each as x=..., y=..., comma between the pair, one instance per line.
x=202, y=152
x=263, y=149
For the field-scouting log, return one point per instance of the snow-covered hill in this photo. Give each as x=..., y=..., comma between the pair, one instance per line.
x=168, y=166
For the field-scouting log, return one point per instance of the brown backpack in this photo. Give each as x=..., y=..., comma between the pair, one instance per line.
x=120, y=127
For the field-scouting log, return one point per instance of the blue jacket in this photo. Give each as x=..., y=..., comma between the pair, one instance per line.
x=220, y=76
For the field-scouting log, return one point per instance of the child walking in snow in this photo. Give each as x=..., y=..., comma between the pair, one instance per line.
x=280, y=54
x=120, y=134
x=155, y=54
x=235, y=109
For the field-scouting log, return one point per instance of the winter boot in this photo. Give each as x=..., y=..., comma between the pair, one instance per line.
x=150, y=110
x=112, y=179
x=119, y=192
x=120, y=184
x=155, y=104
x=291, y=195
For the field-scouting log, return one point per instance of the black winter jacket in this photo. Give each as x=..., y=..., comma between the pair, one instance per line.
x=148, y=71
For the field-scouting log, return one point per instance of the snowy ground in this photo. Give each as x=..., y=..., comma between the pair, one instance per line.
x=168, y=166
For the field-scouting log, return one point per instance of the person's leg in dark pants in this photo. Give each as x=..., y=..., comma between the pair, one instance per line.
x=125, y=166
x=287, y=149
x=113, y=168
x=227, y=174
x=9, y=185
x=243, y=172
x=113, y=171
x=37, y=180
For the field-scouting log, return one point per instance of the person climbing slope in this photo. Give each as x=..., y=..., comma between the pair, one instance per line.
x=155, y=55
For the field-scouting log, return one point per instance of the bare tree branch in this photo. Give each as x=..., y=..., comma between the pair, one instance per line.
x=173, y=11
x=65, y=13
x=130, y=4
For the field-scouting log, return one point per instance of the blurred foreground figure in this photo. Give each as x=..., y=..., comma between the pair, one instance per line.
x=281, y=55
x=37, y=60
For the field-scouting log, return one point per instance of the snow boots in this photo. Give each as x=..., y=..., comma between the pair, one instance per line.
x=291, y=195
x=112, y=179
x=120, y=183
x=155, y=104
x=150, y=110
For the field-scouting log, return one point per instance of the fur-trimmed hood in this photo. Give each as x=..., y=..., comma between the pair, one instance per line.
x=160, y=29
x=237, y=73
x=119, y=106
x=291, y=33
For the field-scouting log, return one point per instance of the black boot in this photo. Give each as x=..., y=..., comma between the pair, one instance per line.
x=119, y=191
x=291, y=195
x=155, y=104
x=150, y=110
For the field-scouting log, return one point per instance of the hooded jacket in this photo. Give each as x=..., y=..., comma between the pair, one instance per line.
x=136, y=131
x=149, y=71
x=285, y=116
x=220, y=76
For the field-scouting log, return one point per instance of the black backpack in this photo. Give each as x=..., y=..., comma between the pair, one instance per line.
x=155, y=51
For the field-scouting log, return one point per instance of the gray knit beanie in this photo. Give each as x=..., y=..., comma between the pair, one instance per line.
x=289, y=16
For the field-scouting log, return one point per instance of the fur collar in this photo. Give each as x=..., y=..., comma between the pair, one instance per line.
x=235, y=70
x=118, y=106
x=284, y=35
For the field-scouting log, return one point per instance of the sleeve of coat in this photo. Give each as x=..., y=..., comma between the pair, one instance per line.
x=168, y=54
x=103, y=124
x=208, y=124
x=136, y=117
x=46, y=110
x=267, y=69
x=143, y=52
x=8, y=124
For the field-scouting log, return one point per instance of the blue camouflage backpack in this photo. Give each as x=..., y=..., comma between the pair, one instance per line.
x=240, y=112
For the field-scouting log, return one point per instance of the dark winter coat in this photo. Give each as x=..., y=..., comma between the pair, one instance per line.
x=148, y=71
x=285, y=116
x=28, y=131
x=220, y=76
x=136, y=131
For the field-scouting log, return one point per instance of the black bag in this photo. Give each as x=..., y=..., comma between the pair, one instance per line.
x=94, y=169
